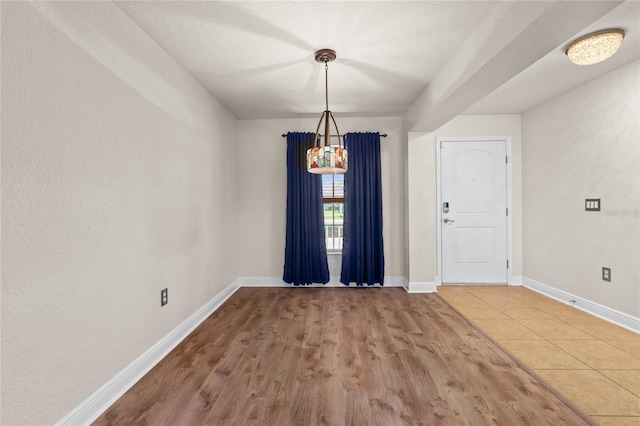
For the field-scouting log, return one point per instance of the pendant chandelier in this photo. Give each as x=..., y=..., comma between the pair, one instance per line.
x=324, y=158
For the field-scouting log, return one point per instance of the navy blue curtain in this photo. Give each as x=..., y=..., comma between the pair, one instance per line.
x=363, y=248
x=305, y=254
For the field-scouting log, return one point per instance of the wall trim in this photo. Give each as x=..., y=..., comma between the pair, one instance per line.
x=389, y=281
x=421, y=287
x=611, y=315
x=262, y=282
x=90, y=409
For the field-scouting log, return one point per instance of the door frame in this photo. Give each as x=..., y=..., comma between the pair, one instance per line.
x=507, y=142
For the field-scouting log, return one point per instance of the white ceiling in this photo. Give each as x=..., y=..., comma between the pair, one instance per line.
x=257, y=58
x=553, y=74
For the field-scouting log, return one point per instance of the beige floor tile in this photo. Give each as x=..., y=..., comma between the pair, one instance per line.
x=631, y=347
x=459, y=297
x=531, y=297
x=541, y=354
x=451, y=289
x=563, y=311
x=485, y=289
x=628, y=379
x=562, y=344
x=593, y=392
x=498, y=299
x=554, y=329
x=481, y=310
x=603, y=330
x=616, y=420
x=516, y=289
x=505, y=329
x=522, y=311
x=598, y=354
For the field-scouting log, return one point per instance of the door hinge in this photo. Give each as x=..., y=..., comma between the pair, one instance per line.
x=507, y=211
x=506, y=159
x=507, y=264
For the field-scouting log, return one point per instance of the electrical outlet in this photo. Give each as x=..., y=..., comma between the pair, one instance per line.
x=164, y=296
x=606, y=274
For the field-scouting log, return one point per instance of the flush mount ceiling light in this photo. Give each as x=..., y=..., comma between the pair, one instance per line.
x=326, y=158
x=595, y=47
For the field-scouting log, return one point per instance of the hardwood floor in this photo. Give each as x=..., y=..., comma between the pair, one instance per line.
x=302, y=356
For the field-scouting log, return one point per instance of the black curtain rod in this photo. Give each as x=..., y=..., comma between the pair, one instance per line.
x=384, y=135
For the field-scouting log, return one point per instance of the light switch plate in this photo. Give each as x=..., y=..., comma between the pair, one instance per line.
x=592, y=204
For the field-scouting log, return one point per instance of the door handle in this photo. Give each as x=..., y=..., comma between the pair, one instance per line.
x=447, y=220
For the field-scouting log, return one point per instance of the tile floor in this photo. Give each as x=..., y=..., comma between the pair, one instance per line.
x=590, y=361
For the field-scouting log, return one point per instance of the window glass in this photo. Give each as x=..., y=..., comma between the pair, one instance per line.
x=333, y=199
x=333, y=186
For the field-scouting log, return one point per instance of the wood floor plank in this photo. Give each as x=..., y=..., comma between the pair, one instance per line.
x=256, y=412
x=337, y=356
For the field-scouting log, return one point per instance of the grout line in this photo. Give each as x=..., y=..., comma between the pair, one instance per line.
x=531, y=372
x=615, y=382
x=553, y=316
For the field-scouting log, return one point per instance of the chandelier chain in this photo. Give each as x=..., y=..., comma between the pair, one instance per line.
x=326, y=85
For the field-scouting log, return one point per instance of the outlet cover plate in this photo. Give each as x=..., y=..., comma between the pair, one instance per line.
x=606, y=274
x=164, y=296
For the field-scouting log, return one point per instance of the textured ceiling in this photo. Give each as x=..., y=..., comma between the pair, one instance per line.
x=554, y=74
x=257, y=57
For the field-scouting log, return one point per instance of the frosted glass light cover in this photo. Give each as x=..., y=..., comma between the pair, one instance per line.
x=595, y=47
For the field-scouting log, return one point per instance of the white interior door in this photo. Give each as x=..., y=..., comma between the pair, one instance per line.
x=473, y=211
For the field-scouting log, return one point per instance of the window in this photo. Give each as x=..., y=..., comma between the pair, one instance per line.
x=333, y=200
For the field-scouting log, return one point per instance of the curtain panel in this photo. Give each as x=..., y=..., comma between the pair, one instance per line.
x=363, y=247
x=305, y=258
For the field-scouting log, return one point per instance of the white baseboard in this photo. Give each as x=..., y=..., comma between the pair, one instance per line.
x=262, y=282
x=394, y=281
x=515, y=280
x=421, y=287
x=616, y=317
x=89, y=410
x=333, y=282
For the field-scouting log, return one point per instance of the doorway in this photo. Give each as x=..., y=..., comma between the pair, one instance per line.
x=473, y=210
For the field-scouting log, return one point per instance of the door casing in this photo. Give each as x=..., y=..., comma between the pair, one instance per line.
x=507, y=141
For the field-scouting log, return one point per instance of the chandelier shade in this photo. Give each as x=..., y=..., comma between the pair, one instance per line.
x=325, y=158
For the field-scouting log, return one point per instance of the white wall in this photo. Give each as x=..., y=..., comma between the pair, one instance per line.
x=585, y=144
x=117, y=181
x=422, y=189
x=262, y=189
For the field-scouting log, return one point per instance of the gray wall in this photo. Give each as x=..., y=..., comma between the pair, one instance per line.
x=117, y=181
x=422, y=189
x=262, y=180
x=585, y=144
